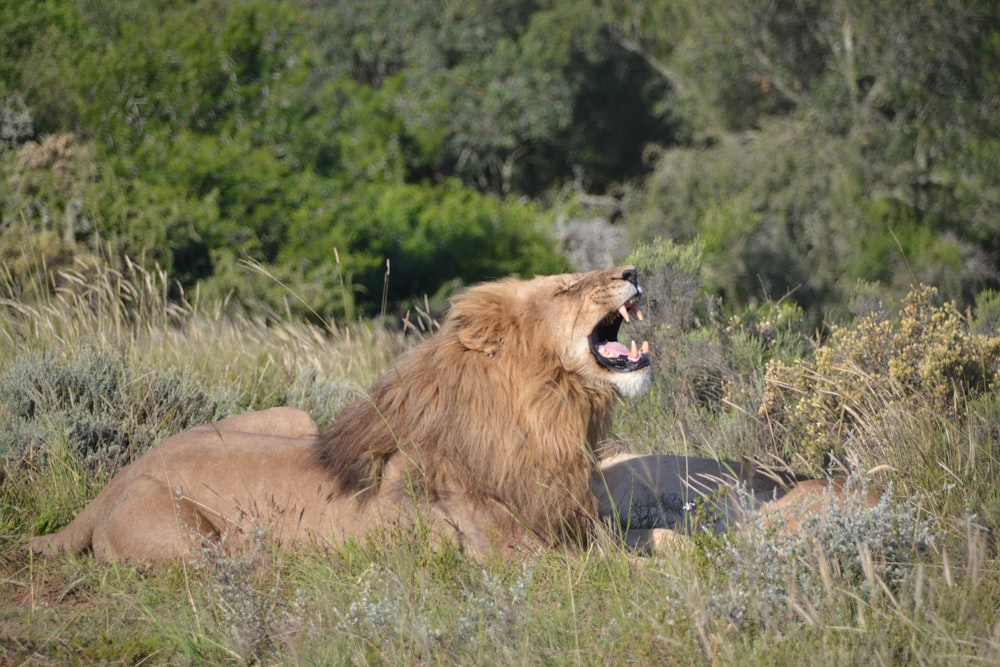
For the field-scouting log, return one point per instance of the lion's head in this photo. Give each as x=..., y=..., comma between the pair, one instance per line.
x=500, y=410
x=574, y=317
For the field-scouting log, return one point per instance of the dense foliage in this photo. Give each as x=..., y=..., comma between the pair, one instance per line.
x=302, y=134
x=807, y=145
x=841, y=141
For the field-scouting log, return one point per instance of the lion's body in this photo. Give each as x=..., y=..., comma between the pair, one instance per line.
x=671, y=491
x=655, y=498
x=223, y=478
x=485, y=433
x=487, y=430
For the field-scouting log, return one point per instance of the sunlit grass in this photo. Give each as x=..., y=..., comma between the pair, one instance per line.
x=914, y=580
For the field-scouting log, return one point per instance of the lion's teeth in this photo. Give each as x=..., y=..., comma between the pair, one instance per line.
x=624, y=313
x=634, y=352
x=645, y=347
x=638, y=314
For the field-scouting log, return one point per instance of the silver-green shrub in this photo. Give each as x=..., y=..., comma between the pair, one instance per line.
x=106, y=411
x=846, y=545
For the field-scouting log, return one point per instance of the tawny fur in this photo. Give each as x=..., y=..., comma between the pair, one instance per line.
x=486, y=431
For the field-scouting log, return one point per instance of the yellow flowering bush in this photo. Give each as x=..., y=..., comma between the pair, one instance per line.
x=924, y=361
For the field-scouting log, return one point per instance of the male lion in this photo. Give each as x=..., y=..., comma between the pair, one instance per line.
x=486, y=431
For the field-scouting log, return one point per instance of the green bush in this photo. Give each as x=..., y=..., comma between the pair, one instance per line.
x=777, y=213
x=707, y=369
x=278, y=133
x=433, y=237
x=790, y=212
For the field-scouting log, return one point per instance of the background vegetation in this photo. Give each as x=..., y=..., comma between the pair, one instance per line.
x=807, y=144
x=197, y=205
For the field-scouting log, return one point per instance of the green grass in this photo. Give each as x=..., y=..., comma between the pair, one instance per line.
x=912, y=581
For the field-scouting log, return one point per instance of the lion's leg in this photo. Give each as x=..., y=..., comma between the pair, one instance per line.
x=148, y=523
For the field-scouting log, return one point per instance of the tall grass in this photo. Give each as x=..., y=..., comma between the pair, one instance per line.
x=144, y=316
x=123, y=354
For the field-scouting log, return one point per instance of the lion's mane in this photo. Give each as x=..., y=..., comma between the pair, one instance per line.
x=484, y=412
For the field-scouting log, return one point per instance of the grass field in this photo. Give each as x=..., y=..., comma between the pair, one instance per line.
x=106, y=364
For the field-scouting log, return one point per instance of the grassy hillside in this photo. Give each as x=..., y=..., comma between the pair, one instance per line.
x=92, y=375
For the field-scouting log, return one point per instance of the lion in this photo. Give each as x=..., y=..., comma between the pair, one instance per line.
x=674, y=495
x=486, y=431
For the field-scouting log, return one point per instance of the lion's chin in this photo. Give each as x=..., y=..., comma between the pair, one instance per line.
x=632, y=384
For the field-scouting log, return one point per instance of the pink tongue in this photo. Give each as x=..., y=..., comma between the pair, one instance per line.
x=614, y=349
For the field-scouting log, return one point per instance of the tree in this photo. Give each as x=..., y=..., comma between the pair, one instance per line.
x=841, y=141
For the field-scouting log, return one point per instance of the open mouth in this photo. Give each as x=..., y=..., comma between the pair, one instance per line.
x=605, y=347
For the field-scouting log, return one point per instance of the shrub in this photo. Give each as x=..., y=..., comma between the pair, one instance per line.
x=778, y=211
x=925, y=361
x=688, y=358
x=49, y=186
x=671, y=276
x=108, y=412
x=848, y=546
x=246, y=607
x=686, y=355
x=15, y=121
x=708, y=369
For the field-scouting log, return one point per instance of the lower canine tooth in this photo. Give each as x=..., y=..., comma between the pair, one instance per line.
x=645, y=347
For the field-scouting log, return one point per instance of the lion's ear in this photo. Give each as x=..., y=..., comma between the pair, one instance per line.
x=485, y=337
x=482, y=323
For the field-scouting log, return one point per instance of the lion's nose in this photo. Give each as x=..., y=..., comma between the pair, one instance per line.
x=632, y=275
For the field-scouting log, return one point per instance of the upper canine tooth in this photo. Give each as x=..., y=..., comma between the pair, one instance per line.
x=624, y=313
x=638, y=314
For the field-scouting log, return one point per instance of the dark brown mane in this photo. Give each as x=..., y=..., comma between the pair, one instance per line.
x=356, y=448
